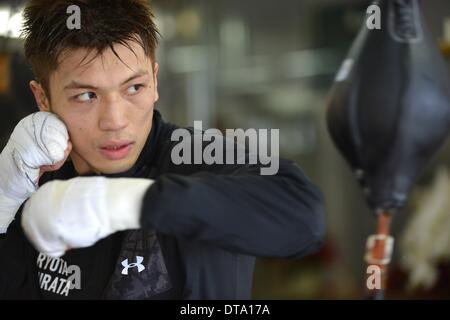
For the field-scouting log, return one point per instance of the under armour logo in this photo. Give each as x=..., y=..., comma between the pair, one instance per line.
x=138, y=264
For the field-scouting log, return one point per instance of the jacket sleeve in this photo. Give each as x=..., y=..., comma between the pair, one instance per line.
x=236, y=208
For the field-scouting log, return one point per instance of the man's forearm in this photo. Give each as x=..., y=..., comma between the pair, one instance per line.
x=277, y=216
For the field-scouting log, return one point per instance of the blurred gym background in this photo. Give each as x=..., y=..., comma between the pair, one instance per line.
x=270, y=64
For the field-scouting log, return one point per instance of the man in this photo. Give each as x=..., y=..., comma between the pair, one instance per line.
x=120, y=219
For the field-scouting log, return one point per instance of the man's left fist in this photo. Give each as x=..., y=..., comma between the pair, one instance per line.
x=76, y=213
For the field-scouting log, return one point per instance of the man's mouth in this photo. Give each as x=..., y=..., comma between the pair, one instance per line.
x=116, y=150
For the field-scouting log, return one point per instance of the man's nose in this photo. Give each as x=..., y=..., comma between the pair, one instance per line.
x=113, y=115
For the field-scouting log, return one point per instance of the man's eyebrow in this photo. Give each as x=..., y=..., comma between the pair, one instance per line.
x=138, y=74
x=78, y=85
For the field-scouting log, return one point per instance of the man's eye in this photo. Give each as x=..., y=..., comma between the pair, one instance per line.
x=85, y=97
x=134, y=88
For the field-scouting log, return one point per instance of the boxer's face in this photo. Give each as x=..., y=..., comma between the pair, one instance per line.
x=107, y=105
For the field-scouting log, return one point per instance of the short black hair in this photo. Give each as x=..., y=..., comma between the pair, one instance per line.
x=103, y=24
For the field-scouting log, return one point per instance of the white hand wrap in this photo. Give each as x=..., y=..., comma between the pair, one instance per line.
x=38, y=140
x=76, y=213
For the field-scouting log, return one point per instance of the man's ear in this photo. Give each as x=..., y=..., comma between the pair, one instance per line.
x=155, y=81
x=40, y=96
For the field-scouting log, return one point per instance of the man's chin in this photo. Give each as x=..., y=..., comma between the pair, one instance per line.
x=101, y=165
x=115, y=167
x=105, y=167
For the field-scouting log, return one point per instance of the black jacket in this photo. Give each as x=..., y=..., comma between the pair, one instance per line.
x=202, y=227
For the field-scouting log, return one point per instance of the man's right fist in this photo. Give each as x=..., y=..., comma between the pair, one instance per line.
x=38, y=143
